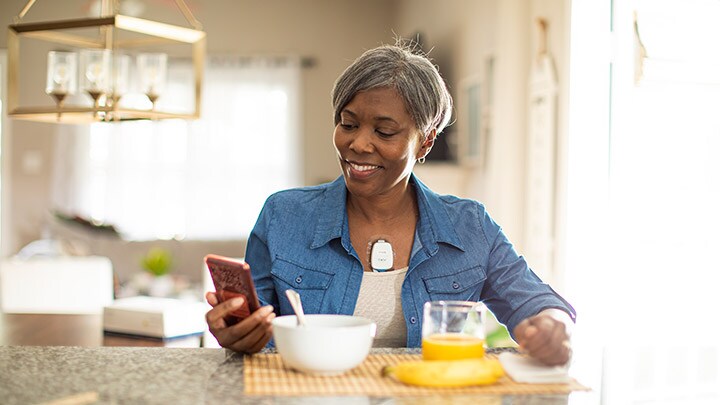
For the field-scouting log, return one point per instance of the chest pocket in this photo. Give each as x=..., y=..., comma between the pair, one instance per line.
x=464, y=285
x=309, y=283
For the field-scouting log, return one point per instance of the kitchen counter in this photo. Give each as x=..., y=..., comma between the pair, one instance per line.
x=131, y=375
x=84, y=330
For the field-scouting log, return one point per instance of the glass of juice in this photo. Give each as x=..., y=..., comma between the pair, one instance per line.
x=453, y=330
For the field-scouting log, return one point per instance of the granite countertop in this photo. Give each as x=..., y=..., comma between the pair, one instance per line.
x=132, y=375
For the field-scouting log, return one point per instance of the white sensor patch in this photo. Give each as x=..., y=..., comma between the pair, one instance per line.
x=381, y=256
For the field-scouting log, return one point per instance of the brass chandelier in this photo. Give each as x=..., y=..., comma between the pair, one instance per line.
x=112, y=67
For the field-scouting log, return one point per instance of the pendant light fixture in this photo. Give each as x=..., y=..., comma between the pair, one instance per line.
x=112, y=67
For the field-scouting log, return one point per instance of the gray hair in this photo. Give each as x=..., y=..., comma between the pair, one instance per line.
x=418, y=81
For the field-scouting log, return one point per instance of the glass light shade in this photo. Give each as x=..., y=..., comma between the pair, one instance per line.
x=152, y=69
x=95, y=65
x=66, y=71
x=61, y=74
x=121, y=75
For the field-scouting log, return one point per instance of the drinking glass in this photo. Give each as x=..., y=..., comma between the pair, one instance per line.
x=453, y=330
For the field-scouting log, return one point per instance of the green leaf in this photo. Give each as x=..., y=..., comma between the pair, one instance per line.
x=157, y=261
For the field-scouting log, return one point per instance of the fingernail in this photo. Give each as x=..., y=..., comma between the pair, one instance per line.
x=237, y=301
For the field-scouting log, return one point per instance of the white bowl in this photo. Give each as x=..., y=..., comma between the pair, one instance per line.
x=326, y=345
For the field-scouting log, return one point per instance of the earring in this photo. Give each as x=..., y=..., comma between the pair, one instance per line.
x=421, y=160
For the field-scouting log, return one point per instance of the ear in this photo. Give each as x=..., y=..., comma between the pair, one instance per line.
x=427, y=144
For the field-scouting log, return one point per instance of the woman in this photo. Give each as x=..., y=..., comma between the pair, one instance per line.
x=324, y=241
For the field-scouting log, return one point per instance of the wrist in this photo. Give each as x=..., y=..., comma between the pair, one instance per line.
x=560, y=316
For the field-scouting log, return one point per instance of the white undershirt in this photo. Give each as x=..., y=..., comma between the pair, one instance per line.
x=379, y=300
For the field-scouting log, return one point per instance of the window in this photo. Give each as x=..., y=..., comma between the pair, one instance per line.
x=643, y=191
x=205, y=179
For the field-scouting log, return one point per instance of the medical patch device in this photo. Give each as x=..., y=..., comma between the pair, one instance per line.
x=381, y=256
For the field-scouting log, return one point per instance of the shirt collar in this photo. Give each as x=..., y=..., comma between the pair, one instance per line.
x=434, y=226
x=331, y=214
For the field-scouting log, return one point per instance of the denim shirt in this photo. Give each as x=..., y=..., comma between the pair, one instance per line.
x=302, y=241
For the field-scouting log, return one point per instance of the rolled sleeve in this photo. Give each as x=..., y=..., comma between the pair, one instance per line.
x=513, y=292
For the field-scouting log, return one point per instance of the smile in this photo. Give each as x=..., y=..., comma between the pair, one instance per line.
x=362, y=168
x=361, y=171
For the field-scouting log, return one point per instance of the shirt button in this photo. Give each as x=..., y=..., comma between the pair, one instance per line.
x=413, y=320
x=455, y=285
x=298, y=279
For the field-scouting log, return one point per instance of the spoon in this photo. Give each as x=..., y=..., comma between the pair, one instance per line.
x=295, y=302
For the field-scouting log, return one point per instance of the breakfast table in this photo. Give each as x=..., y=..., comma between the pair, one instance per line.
x=161, y=375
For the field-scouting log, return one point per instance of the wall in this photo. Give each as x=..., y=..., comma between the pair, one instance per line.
x=465, y=33
x=4, y=157
x=333, y=32
x=557, y=13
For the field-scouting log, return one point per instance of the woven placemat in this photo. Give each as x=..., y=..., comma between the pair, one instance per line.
x=265, y=374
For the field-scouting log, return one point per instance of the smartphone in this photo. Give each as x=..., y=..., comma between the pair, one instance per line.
x=232, y=278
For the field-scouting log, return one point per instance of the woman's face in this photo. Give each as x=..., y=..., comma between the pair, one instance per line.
x=377, y=142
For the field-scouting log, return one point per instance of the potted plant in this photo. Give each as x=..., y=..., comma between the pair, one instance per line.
x=158, y=262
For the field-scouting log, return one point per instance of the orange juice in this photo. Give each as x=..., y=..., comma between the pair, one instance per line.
x=452, y=346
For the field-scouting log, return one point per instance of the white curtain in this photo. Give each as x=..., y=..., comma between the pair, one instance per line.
x=205, y=179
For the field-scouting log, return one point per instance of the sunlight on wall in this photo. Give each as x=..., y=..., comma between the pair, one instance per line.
x=644, y=189
x=586, y=251
x=664, y=170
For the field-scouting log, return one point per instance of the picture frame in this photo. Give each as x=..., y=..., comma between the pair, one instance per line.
x=470, y=123
x=475, y=116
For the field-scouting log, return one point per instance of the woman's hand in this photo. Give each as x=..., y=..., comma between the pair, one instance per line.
x=546, y=336
x=247, y=336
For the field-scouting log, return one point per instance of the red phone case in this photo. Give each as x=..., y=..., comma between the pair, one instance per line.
x=232, y=278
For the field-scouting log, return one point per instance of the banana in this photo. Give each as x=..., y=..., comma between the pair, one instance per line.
x=446, y=373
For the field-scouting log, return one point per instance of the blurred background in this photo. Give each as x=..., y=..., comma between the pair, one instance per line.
x=588, y=129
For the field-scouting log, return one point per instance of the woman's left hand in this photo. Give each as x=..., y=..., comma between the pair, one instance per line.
x=546, y=336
